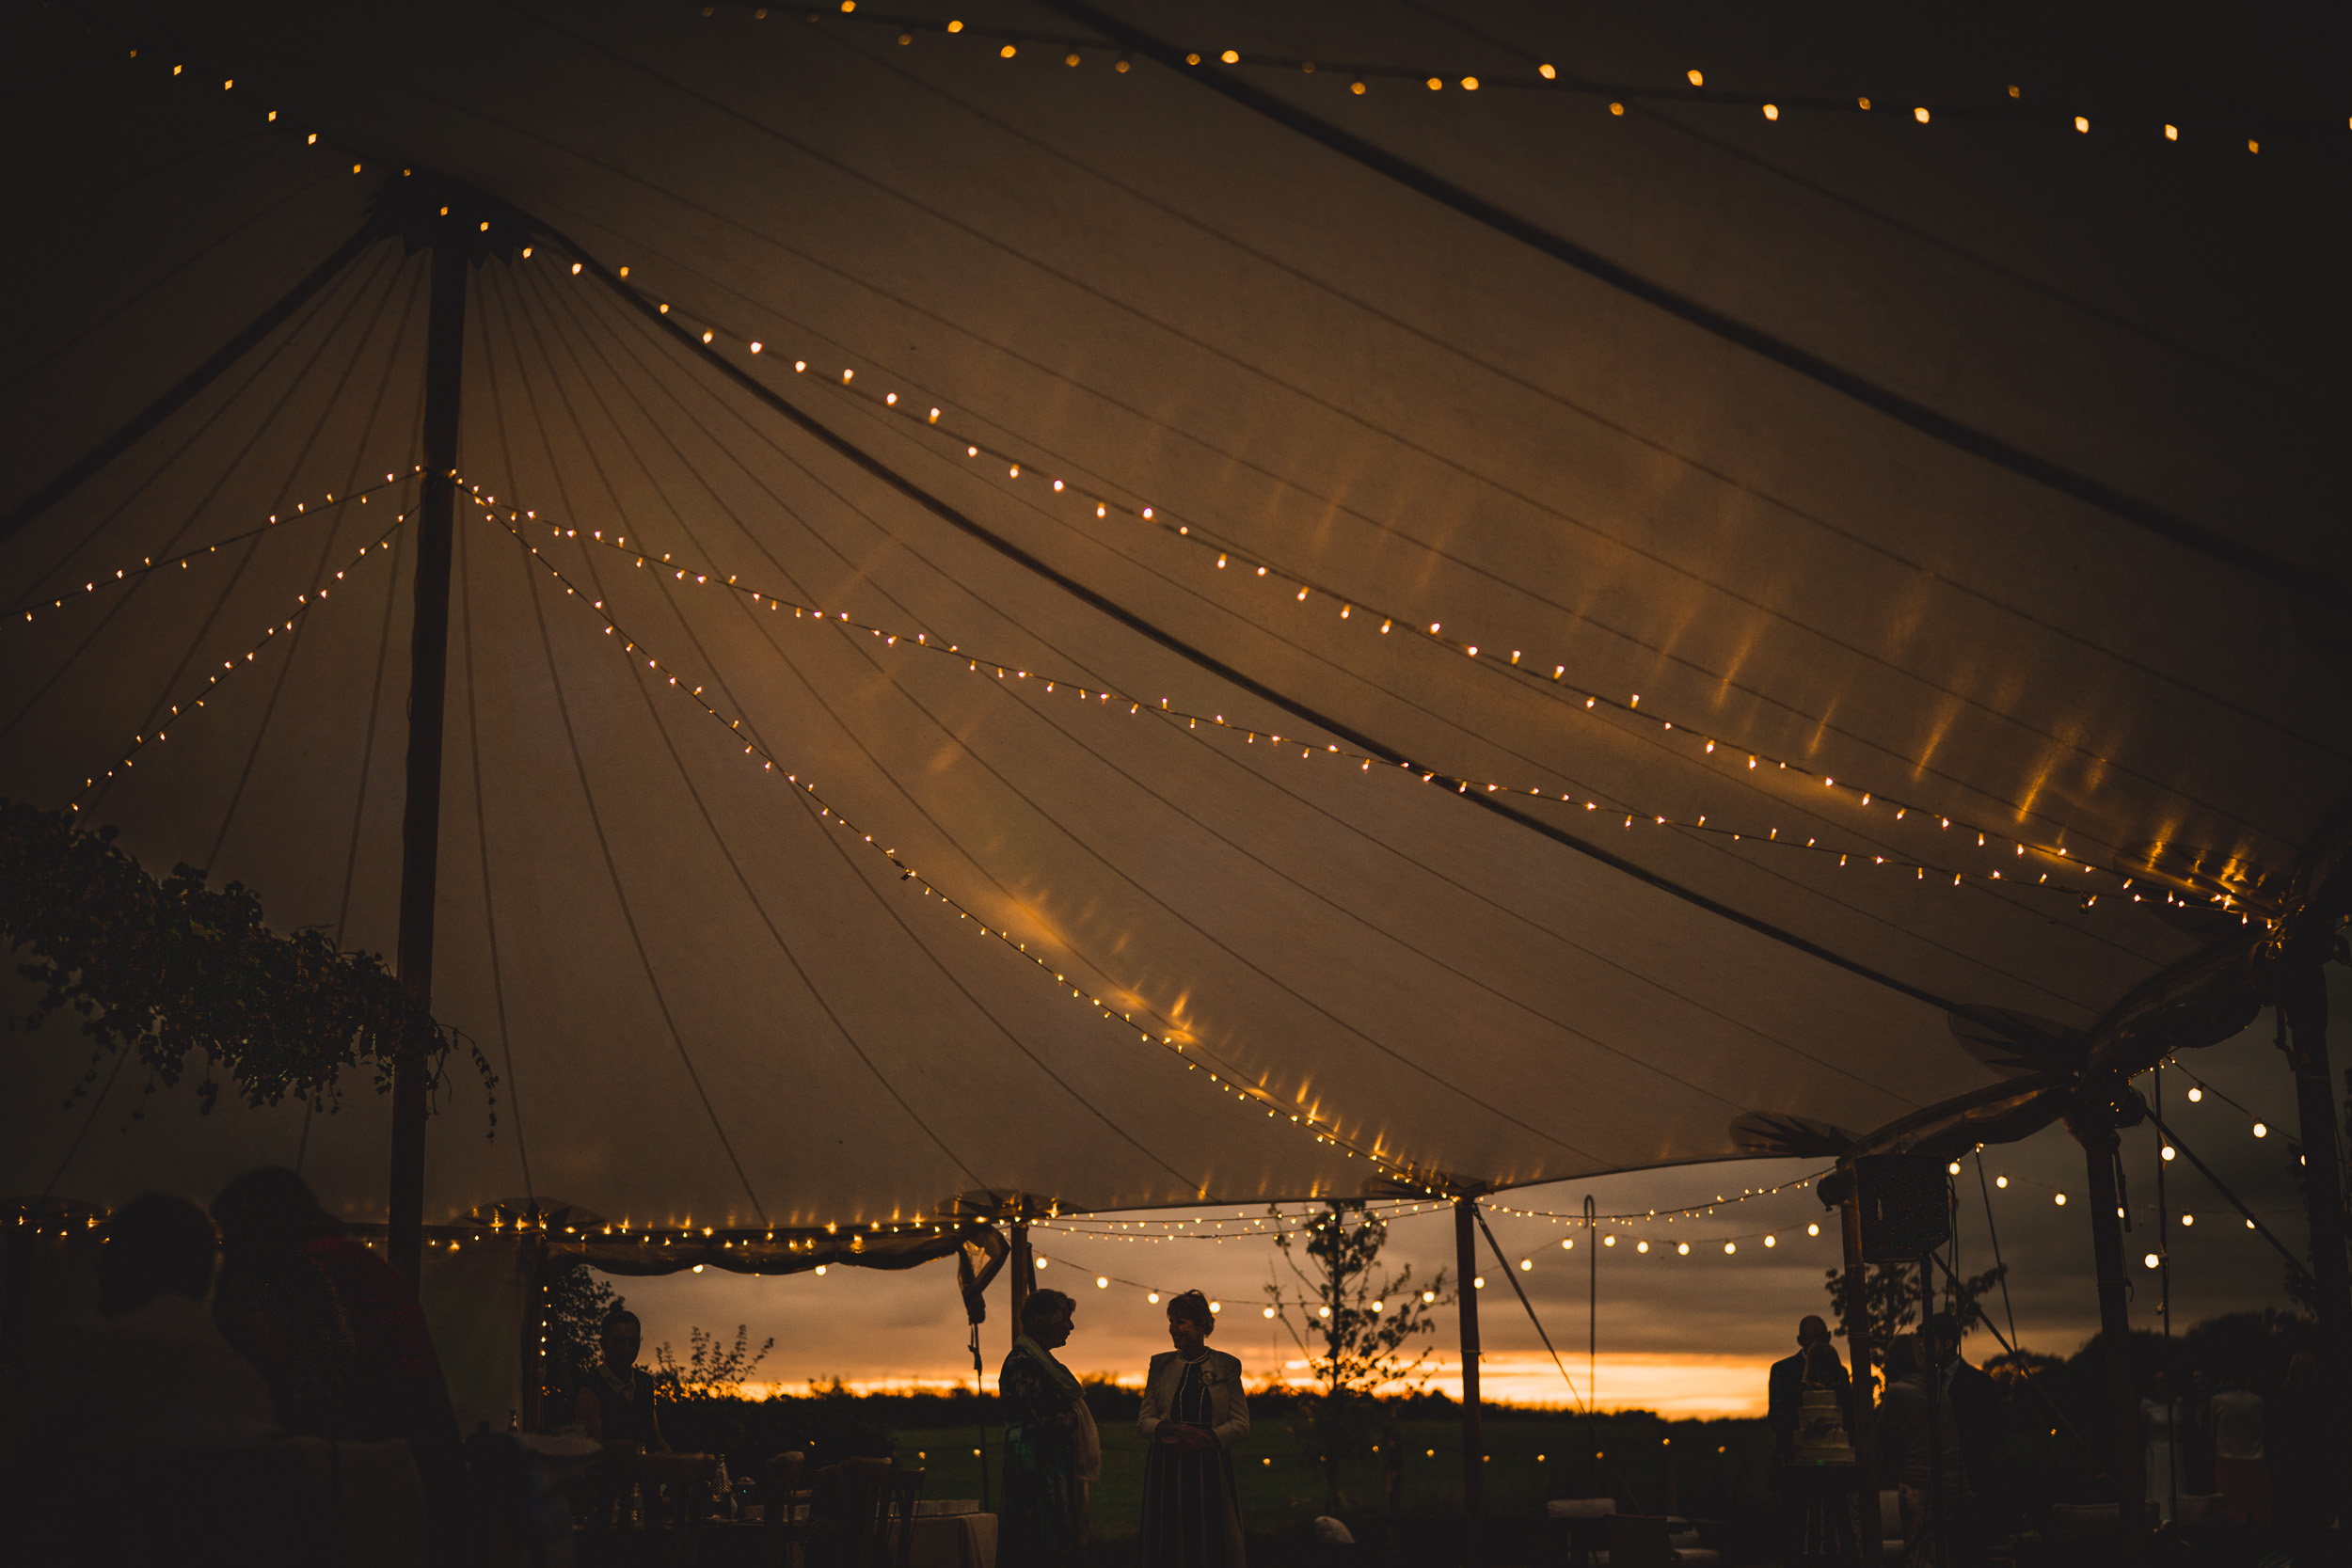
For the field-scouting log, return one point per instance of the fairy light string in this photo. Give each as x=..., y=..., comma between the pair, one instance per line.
x=2180, y=886
x=1529, y=74
x=1324, y=1130
x=2186, y=885
x=1201, y=723
x=188, y=559
x=305, y=602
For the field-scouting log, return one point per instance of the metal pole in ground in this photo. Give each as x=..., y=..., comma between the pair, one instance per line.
x=1473, y=1449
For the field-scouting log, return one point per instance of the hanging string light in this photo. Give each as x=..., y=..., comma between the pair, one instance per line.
x=2238, y=888
x=1747, y=1195
x=1199, y=724
x=305, y=602
x=186, y=559
x=1687, y=87
x=1219, y=1074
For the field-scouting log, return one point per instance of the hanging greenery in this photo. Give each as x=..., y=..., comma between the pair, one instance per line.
x=171, y=969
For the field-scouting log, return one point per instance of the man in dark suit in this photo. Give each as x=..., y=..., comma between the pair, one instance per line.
x=1814, y=1365
x=1976, y=1406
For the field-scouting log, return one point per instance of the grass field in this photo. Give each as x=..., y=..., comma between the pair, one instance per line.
x=1718, y=1471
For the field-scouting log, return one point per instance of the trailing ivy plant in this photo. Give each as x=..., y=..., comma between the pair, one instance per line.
x=177, y=969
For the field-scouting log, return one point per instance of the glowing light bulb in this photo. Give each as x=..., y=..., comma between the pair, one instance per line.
x=1697, y=79
x=1771, y=111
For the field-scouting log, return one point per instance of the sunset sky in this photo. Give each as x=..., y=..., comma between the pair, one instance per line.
x=1686, y=1334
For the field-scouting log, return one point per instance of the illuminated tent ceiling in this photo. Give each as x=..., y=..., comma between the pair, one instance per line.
x=1963, y=467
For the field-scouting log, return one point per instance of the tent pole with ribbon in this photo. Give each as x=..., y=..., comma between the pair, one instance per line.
x=428, y=689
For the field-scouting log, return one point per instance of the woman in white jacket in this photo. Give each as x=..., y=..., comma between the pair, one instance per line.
x=1193, y=1415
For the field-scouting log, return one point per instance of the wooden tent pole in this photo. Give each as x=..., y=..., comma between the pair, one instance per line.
x=428, y=680
x=1863, y=1418
x=2124, y=1462
x=2304, y=1000
x=1474, y=1443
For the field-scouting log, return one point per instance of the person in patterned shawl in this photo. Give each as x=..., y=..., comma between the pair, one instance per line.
x=1193, y=1415
x=1052, y=1451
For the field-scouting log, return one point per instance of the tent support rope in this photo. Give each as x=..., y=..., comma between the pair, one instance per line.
x=1883, y=400
x=187, y=387
x=1632, y=1499
x=1116, y=611
x=2247, y=1214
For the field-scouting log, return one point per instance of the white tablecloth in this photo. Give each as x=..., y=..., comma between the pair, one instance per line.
x=953, y=1541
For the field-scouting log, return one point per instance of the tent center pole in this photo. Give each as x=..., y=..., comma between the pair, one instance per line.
x=2304, y=1001
x=428, y=680
x=2124, y=1462
x=1474, y=1446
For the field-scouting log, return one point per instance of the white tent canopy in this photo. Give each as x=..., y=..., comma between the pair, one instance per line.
x=1682, y=563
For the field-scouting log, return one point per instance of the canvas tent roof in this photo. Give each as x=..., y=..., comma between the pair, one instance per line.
x=708, y=999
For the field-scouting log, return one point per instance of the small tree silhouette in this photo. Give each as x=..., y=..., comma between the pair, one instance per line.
x=710, y=1371
x=1893, y=1294
x=1353, y=1325
x=578, y=1301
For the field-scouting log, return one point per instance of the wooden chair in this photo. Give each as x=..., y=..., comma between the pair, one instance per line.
x=783, y=1493
x=1639, y=1541
x=602, y=1504
x=864, y=1514
x=647, y=1510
